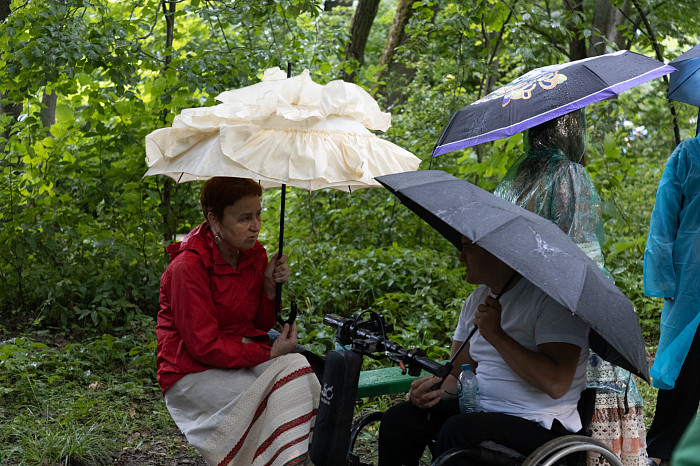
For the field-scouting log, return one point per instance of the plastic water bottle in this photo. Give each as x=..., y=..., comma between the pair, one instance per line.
x=469, y=391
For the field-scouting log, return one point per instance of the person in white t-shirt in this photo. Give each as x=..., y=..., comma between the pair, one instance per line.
x=529, y=355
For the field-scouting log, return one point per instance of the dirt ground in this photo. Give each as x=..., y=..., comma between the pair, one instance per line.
x=166, y=452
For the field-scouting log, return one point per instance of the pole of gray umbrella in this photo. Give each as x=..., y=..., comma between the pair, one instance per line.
x=450, y=365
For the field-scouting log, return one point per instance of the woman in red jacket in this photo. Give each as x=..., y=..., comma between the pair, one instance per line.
x=237, y=398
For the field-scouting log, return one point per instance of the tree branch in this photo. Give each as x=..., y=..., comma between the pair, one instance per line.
x=155, y=21
x=221, y=26
x=660, y=57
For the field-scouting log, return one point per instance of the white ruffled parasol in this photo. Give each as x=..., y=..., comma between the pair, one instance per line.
x=282, y=131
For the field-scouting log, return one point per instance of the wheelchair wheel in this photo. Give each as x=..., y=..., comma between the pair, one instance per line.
x=364, y=440
x=460, y=456
x=557, y=449
x=363, y=449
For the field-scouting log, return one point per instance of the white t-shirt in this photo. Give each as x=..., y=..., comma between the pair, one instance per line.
x=531, y=317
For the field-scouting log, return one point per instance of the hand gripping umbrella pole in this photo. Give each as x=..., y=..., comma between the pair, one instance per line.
x=447, y=368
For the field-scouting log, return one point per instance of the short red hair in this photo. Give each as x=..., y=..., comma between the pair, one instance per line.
x=222, y=191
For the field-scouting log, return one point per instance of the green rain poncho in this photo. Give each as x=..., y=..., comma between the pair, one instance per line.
x=548, y=179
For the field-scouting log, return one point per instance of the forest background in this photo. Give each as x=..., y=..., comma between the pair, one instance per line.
x=82, y=82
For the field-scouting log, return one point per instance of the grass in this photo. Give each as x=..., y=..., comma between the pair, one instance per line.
x=649, y=396
x=90, y=402
x=97, y=401
x=47, y=441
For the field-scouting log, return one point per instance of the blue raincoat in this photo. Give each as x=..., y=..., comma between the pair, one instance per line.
x=672, y=260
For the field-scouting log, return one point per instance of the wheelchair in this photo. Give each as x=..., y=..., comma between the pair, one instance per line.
x=369, y=338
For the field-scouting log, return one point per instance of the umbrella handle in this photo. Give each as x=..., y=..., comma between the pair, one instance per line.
x=292, y=314
x=450, y=364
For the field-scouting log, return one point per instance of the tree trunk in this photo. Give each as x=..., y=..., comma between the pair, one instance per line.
x=12, y=109
x=401, y=74
x=493, y=41
x=397, y=35
x=660, y=57
x=607, y=19
x=577, y=45
x=4, y=9
x=48, y=109
x=359, y=31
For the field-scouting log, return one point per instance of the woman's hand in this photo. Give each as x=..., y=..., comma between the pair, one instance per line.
x=277, y=272
x=421, y=394
x=286, y=342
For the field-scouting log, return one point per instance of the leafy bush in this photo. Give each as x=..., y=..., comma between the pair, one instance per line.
x=74, y=403
x=420, y=291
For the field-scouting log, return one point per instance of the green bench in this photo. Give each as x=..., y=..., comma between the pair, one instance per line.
x=384, y=381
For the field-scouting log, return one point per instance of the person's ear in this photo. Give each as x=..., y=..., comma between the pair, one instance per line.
x=213, y=222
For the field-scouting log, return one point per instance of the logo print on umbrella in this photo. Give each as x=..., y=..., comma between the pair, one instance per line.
x=522, y=88
x=543, y=247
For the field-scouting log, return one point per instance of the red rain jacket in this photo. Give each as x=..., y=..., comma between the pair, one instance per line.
x=207, y=307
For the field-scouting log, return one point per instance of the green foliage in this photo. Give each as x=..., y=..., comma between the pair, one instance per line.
x=42, y=441
x=75, y=403
x=84, y=234
x=626, y=156
x=418, y=290
x=79, y=219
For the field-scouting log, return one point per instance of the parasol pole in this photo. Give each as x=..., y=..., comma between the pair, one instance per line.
x=278, y=288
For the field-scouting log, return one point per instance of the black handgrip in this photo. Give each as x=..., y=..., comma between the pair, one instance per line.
x=333, y=321
x=443, y=372
x=427, y=364
x=352, y=331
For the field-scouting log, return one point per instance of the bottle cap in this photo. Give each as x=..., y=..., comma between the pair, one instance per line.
x=466, y=367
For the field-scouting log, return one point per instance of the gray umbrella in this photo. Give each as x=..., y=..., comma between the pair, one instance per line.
x=536, y=248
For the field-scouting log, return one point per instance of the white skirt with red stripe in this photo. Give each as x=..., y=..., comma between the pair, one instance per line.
x=262, y=415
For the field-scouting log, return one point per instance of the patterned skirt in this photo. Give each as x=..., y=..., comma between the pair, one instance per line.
x=262, y=415
x=618, y=416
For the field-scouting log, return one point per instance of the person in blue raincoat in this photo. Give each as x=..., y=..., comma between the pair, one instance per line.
x=672, y=271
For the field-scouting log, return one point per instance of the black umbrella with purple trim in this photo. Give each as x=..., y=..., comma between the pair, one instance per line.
x=544, y=94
